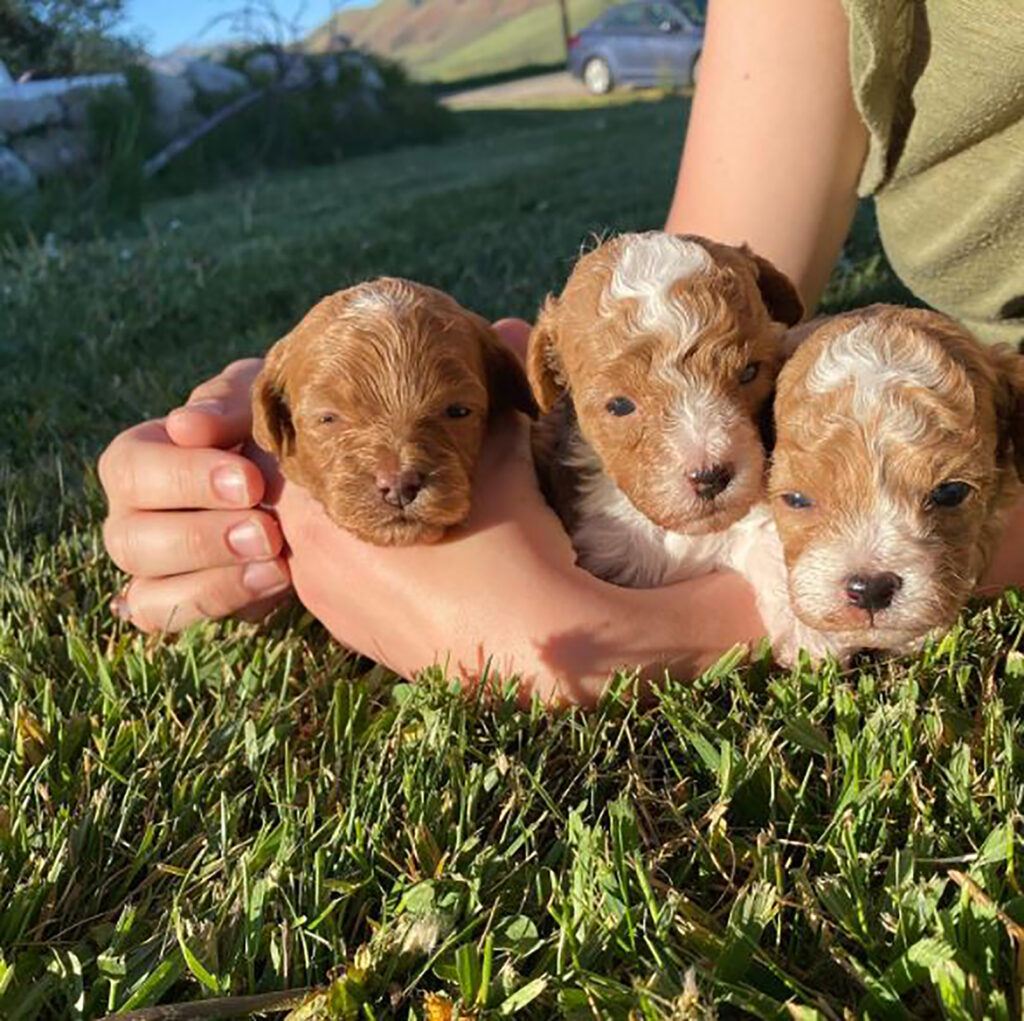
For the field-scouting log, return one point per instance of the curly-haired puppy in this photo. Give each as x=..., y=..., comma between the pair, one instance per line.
x=900, y=444
x=654, y=368
x=377, y=403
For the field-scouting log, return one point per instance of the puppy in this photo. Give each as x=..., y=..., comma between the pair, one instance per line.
x=377, y=403
x=653, y=369
x=900, y=449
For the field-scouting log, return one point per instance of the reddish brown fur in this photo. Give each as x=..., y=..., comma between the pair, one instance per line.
x=972, y=428
x=385, y=359
x=587, y=353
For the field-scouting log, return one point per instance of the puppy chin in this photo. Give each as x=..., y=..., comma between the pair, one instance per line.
x=893, y=636
x=382, y=526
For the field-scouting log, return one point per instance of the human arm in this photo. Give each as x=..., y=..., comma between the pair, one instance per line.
x=183, y=519
x=774, y=144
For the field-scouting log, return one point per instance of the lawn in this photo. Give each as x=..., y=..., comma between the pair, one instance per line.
x=244, y=810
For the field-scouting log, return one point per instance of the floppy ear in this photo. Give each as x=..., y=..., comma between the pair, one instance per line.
x=1010, y=403
x=507, y=386
x=542, y=363
x=777, y=291
x=272, y=426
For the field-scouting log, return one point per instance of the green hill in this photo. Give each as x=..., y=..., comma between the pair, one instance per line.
x=448, y=39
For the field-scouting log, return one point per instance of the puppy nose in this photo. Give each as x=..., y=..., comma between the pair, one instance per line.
x=873, y=591
x=399, y=489
x=709, y=482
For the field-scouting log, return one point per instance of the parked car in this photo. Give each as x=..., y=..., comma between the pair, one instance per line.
x=641, y=43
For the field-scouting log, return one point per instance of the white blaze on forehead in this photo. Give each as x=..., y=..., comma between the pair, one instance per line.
x=647, y=268
x=380, y=297
x=878, y=367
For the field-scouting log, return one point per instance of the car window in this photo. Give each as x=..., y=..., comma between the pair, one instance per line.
x=630, y=16
x=658, y=14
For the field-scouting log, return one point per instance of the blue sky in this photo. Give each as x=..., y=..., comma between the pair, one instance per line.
x=163, y=24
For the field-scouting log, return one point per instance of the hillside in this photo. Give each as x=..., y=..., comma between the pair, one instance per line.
x=446, y=39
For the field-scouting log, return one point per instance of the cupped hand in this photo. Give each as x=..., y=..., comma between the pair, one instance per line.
x=500, y=595
x=183, y=521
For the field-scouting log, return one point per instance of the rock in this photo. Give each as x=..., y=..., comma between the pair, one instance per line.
x=215, y=79
x=330, y=72
x=173, y=103
x=21, y=114
x=16, y=176
x=262, y=68
x=5, y=75
x=56, y=151
x=369, y=73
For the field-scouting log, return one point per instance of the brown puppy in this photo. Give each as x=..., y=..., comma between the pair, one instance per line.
x=900, y=440
x=654, y=365
x=377, y=404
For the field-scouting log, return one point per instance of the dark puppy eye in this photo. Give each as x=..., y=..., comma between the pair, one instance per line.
x=797, y=501
x=749, y=373
x=456, y=411
x=327, y=418
x=949, y=494
x=620, y=406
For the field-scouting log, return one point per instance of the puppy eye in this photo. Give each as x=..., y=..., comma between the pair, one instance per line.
x=797, y=501
x=749, y=373
x=620, y=406
x=327, y=418
x=949, y=494
x=456, y=411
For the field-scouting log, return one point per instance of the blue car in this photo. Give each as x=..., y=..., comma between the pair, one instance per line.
x=640, y=43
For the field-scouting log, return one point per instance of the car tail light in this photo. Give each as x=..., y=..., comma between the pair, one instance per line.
x=573, y=41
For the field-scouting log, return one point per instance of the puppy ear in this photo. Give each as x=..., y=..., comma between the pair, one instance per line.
x=777, y=291
x=542, y=365
x=1010, y=404
x=272, y=426
x=507, y=385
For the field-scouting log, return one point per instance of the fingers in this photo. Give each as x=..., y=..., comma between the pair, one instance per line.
x=143, y=470
x=153, y=544
x=218, y=412
x=514, y=334
x=171, y=604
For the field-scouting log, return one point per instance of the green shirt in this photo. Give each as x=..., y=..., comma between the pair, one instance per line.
x=940, y=86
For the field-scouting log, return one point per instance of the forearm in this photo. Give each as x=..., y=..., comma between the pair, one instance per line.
x=1007, y=567
x=774, y=144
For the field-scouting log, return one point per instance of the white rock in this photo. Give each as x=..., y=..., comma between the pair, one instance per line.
x=18, y=115
x=173, y=103
x=5, y=75
x=16, y=176
x=330, y=72
x=57, y=151
x=297, y=74
x=215, y=79
x=262, y=67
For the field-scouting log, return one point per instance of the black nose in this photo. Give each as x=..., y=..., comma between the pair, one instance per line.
x=709, y=482
x=873, y=591
x=399, y=489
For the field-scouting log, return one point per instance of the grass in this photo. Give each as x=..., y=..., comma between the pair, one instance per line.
x=244, y=810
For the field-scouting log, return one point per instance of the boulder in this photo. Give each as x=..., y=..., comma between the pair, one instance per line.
x=215, y=79
x=56, y=151
x=19, y=114
x=297, y=74
x=173, y=103
x=262, y=68
x=16, y=176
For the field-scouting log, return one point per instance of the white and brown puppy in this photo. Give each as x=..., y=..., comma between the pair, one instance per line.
x=377, y=403
x=653, y=368
x=900, y=442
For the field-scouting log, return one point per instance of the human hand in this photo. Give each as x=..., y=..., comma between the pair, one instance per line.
x=500, y=595
x=182, y=520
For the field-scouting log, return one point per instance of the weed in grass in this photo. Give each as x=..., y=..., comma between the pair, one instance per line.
x=243, y=810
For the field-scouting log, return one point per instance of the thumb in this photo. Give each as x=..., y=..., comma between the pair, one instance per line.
x=218, y=413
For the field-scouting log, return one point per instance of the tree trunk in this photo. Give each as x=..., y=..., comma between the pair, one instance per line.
x=563, y=7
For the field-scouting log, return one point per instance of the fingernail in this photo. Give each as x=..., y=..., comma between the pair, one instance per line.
x=264, y=577
x=230, y=485
x=248, y=540
x=212, y=407
x=119, y=608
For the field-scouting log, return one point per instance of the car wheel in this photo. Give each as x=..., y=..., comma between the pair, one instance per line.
x=695, y=68
x=597, y=76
